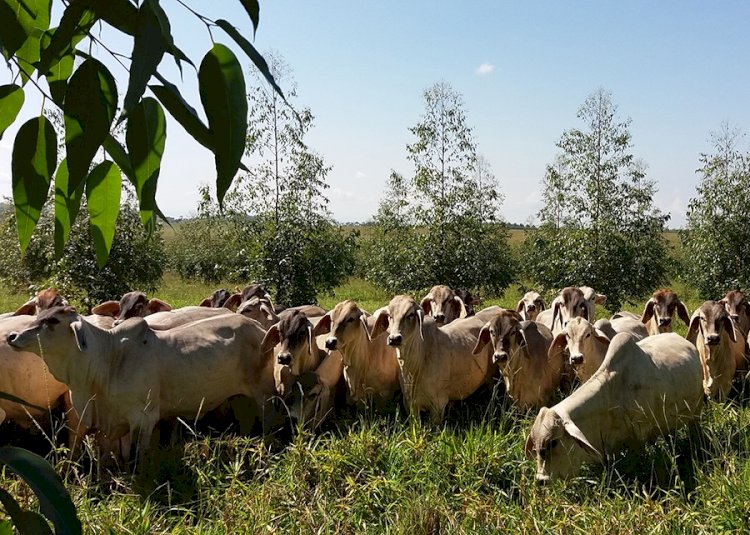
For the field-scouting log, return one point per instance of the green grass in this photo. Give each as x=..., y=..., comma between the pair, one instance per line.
x=371, y=473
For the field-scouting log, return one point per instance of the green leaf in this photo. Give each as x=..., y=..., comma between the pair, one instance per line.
x=57, y=75
x=147, y=53
x=146, y=135
x=184, y=113
x=33, y=162
x=120, y=157
x=166, y=34
x=6, y=527
x=90, y=104
x=223, y=94
x=11, y=102
x=252, y=53
x=12, y=34
x=27, y=522
x=253, y=10
x=67, y=206
x=54, y=500
x=103, y=193
x=75, y=21
x=34, y=16
x=121, y=14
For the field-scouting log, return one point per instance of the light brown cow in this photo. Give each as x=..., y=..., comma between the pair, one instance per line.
x=260, y=310
x=586, y=346
x=443, y=305
x=660, y=309
x=641, y=391
x=571, y=303
x=520, y=350
x=436, y=363
x=739, y=309
x=721, y=346
x=371, y=369
x=131, y=305
x=126, y=379
x=43, y=300
x=530, y=305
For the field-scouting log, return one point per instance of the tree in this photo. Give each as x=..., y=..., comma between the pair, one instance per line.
x=88, y=97
x=447, y=226
x=717, y=238
x=599, y=225
x=277, y=212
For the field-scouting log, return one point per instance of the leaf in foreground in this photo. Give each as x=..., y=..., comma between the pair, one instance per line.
x=146, y=136
x=103, y=193
x=11, y=102
x=66, y=207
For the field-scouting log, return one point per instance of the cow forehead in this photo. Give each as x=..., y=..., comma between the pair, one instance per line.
x=665, y=297
x=59, y=312
x=292, y=321
x=578, y=326
x=713, y=311
x=344, y=309
x=400, y=306
x=441, y=293
x=503, y=322
x=572, y=295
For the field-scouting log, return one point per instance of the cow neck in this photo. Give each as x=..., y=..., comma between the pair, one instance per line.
x=357, y=361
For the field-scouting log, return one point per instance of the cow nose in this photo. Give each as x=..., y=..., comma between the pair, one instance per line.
x=500, y=357
x=663, y=322
x=284, y=359
x=440, y=318
x=575, y=360
x=12, y=337
x=531, y=308
x=394, y=340
x=712, y=339
x=331, y=343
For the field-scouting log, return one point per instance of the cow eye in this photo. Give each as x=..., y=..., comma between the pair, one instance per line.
x=349, y=320
x=588, y=335
x=552, y=443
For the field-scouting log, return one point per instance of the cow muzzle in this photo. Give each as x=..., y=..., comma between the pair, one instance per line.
x=712, y=339
x=331, y=343
x=665, y=322
x=500, y=358
x=576, y=360
x=440, y=318
x=394, y=340
x=285, y=359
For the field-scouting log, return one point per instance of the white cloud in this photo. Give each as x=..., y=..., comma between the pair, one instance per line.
x=338, y=194
x=360, y=175
x=484, y=69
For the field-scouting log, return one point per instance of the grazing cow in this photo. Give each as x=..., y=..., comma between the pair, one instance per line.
x=586, y=346
x=217, y=299
x=721, y=346
x=520, y=350
x=571, y=303
x=443, y=305
x=530, y=305
x=436, y=363
x=622, y=323
x=641, y=391
x=371, y=369
x=126, y=379
x=660, y=310
x=131, y=305
x=739, y=309
x=43, y=300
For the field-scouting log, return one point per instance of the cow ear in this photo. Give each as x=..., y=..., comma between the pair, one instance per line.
x=600, y=299
x=556, y=311
x=426, y=304
x=79, y=333
x=542, y=305
x=310, y=340
x=206, y=302
x=233, y=302
x=578, y=436
x=558, y=344
x=267, y=309
x=458, y=303
x=729, y=327
x=272, y=337
x=693, y=325
x=483, y=339
x=157, y=305
x=521, y=306
x=382, y=317
x=107, y=308
x=27, y=309
x=682, y=312
x=420, y=320
x=648, y=312
x=323, y=326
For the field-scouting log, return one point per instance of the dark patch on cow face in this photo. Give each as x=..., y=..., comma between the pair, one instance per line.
x=254, y=290
x=575, y=303
x=504, y=332
x=219, y=297
x=295, y=332
x=469, y=301
x=665, y=305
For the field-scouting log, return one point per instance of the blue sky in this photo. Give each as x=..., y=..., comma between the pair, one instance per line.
x=678, y=69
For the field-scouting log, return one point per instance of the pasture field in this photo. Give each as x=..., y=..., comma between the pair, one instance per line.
x=374, y=473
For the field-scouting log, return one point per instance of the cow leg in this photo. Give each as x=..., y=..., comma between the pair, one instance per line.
x=76, y=430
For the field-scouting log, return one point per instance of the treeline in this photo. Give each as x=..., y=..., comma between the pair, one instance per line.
x=440, y=223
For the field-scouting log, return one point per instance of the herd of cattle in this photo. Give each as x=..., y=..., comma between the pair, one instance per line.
x=133, y=363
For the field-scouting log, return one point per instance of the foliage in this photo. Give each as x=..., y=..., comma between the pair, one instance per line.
x=83, y=88
x=441, y=225
x=717, y=238
x=275, y=227
x=136, y=260
x=599, y=225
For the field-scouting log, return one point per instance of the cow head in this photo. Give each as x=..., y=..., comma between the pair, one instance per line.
x=712, y=320
x=662, y=306
x=558, y=446
x=568, y=305
x=260, y=310
x=443, y=305
x=44, y=300
x=294, y=333
x=131, y=305
x=345, y=323
x=403, y=319
x=217, y=299
x=579, y=337
x=53, y=327
x=469, y=301
x=736, y=304
x=506, y=335
x=530, y=306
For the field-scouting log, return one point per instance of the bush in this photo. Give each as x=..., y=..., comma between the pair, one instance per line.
x=136, y=261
